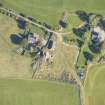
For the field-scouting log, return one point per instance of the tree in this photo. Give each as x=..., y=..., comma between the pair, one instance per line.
x=1, y=5
x=80, y=43
x=80, y=31
x=21, y=14
x=63, y=23
x=94, y=47
x=88, y=56
x=83, y=15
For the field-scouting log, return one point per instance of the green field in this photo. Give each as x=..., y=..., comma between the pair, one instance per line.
x=50, y=11
x=27, y=92
x=95, y=85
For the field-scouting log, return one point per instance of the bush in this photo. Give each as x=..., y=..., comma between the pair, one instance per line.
x=1, y=5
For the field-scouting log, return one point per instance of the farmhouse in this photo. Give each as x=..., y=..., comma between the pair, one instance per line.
x=33, y=38
x=33, y=41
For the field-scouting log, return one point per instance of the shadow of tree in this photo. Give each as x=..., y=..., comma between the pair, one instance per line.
x=79, y=43
x=95, y=48
x=21, y=23
x=62, y=24
x=47, y=25
x=102, y=23
x=83, y=15
x=16, y=39
x=79, y=31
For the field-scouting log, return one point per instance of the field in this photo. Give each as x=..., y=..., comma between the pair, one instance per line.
x=16, y=66
x=11, y=65
x=64, y=59
x=95, y=85
x=50, y=11
x=26, y=92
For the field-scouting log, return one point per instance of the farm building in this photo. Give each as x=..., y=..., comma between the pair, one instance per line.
x=33, y=39
x=47, y=55
x=20, y=50
x=50, y=44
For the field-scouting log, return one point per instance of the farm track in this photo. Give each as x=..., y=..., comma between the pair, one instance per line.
x=80, y=84
x=59, y=37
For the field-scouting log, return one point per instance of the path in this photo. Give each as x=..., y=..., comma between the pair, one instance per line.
x=79, y=82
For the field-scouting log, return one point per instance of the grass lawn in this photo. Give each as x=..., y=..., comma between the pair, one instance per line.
x=50, y=11
x=95, y=85
x=11, y=65
x=82, y=60
x=27, y=92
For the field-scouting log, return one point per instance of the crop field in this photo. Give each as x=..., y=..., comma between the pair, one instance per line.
x=50, y=11
x=27, y=92
x=95, y=85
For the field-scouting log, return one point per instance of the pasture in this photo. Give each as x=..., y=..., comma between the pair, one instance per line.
x=50, y=11
x=16, y=66
x=11, y=64
x=27, y=92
